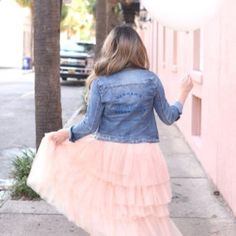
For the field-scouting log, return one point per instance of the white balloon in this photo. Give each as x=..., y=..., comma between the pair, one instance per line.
x=182, y=15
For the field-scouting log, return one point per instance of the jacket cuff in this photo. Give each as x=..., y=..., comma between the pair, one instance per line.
x=179, y=107
x=71, y=135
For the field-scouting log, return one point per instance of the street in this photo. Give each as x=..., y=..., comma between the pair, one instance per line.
x=17, y=119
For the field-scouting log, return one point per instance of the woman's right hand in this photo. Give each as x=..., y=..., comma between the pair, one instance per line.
x=186, y=84
x=59, y=136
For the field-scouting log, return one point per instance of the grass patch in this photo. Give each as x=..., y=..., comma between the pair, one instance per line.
x=21, y=169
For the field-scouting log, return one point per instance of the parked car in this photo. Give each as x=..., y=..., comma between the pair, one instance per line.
x=76, y=59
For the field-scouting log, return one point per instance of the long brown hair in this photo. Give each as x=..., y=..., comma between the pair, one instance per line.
x=122, y=48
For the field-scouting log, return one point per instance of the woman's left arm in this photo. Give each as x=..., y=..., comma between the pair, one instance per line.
x=92, y=118
x=88, y=125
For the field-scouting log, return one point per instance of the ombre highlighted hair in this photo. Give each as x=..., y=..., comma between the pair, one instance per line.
x=122, y=48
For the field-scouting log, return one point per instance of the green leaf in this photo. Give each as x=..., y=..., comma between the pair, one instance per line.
x=21, y=169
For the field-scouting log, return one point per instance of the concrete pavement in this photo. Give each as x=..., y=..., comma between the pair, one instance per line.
x=196, y=210
x=17, y=107
x=17, y=119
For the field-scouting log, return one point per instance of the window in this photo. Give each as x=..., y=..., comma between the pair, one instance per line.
x=175, y=51
x=196, y=115
x=164, y=46
x=197, y=73
x=197, y=51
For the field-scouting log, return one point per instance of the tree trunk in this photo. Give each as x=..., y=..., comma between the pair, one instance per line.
x=32, y=37
x=106, y=20
x=100, y=24
x=47, y=77
x=112, y=17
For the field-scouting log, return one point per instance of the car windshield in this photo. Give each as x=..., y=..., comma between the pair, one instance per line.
x=77, y=47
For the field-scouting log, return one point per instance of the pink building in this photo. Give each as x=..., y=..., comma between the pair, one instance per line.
x=209, y=117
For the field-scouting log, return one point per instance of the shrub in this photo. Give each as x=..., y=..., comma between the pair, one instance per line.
x=84, y=100
x=21, y=169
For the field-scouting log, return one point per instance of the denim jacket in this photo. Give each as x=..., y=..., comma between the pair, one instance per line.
x=121, y=108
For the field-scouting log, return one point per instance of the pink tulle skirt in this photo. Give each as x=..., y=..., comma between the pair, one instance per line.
x=106, y=188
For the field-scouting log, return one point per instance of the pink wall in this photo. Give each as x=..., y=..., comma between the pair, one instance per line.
x=209, y=118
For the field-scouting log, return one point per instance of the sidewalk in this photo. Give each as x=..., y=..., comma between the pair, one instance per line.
x=195, y=209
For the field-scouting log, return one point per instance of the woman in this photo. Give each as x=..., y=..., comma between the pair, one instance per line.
x=114, y=182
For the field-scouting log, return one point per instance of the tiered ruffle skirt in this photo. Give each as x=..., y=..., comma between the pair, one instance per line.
x=106, y=188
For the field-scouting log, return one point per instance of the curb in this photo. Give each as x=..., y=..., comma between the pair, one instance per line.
x=5, y=184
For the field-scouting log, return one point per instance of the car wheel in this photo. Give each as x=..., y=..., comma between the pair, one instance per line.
x=64, y=78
